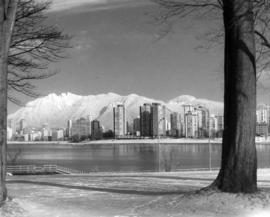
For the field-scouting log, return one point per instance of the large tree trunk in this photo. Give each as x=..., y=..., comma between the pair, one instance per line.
x=7, y=18
x=238, y=171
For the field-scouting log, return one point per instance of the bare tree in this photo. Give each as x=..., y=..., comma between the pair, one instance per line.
x=238, y=171
x=7, y=19
x=34, y=45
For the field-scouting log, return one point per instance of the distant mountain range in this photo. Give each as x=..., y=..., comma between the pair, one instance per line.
x=56, y=110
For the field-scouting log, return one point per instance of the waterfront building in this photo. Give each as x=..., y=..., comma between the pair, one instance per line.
x=220, y=125
x=25, y=137
x=191, y=125
x=129, y=128
x=81, y=127
x=158, y=120
x=9, y=133
x=69, y=127
x=119, y=120
x=35, y=136
x=45, y=134
x=96, y=130
x=213, y=126
x=199, y=112
x=22, y=126
x=262, y=115
x=203, y=128
x=58, y=135
x=175, y=124
x=12, y=125
x=136, y=126
x=145, y=120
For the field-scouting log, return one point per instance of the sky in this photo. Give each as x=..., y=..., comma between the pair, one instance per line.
x=117, y=48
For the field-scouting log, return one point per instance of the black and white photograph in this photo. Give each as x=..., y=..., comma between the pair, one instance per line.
x=134, y=108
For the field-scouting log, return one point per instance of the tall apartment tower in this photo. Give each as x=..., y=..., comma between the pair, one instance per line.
x=23, y=126
x=119, y=120
x=12, y=125
x=175, y=124
x=137, y=126
x=213, y=125
x=158, y=114
x=69, y=127
x=262, y=115
x=191, y=125
x=145, y=120
x=96, y=130
x=89, y=119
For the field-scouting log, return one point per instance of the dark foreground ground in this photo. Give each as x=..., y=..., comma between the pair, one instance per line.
x=131, y=194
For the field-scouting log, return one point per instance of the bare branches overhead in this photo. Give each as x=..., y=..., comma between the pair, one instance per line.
x=177, y=9
x=34, y=45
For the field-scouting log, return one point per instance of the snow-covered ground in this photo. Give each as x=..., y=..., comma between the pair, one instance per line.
x=131, y=194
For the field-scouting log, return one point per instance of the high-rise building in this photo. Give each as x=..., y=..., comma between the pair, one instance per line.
x=200, y=132
x=158, y=120
x=12, y=125
x=175, y=124
x=23, y=126
x=119, y=120
x=96, y=130
x=203, y=121
x=213, y=126
x=145, y=120
x=136, y=126
x=9, y=133
x=220, y=122
x=191, y=125
x=69, y=127
x=220, y=125
x=262, y=115
x=81, y=127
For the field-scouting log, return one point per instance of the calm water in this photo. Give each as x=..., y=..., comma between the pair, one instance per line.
x=125, y=157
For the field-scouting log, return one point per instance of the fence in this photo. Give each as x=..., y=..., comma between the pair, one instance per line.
x=33, y=169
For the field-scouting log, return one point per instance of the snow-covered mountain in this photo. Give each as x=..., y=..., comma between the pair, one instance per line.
x=56, y=110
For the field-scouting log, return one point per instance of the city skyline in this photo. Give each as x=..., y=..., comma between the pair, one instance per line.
x=155, y=120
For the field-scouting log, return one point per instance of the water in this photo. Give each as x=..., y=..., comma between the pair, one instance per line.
x=125, y=157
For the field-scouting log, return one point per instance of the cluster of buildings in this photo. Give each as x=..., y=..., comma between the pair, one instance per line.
x=22, y=132
x=82, y=128
x=154, y=121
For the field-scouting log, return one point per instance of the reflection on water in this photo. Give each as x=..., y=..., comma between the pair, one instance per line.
x=125, y=157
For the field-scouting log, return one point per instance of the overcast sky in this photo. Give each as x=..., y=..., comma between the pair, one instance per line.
x=115, y=49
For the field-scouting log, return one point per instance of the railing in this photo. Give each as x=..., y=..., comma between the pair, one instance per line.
x=66, y=170
x=32, y=169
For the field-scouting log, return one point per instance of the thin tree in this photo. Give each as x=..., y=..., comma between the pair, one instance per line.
x=7, y=19
x=238, y=171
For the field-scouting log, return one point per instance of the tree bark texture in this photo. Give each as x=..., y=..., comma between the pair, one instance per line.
x=238, y=171
x=7, y=18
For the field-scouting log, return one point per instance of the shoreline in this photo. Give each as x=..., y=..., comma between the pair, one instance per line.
x=131, y=141
x=123, y=141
